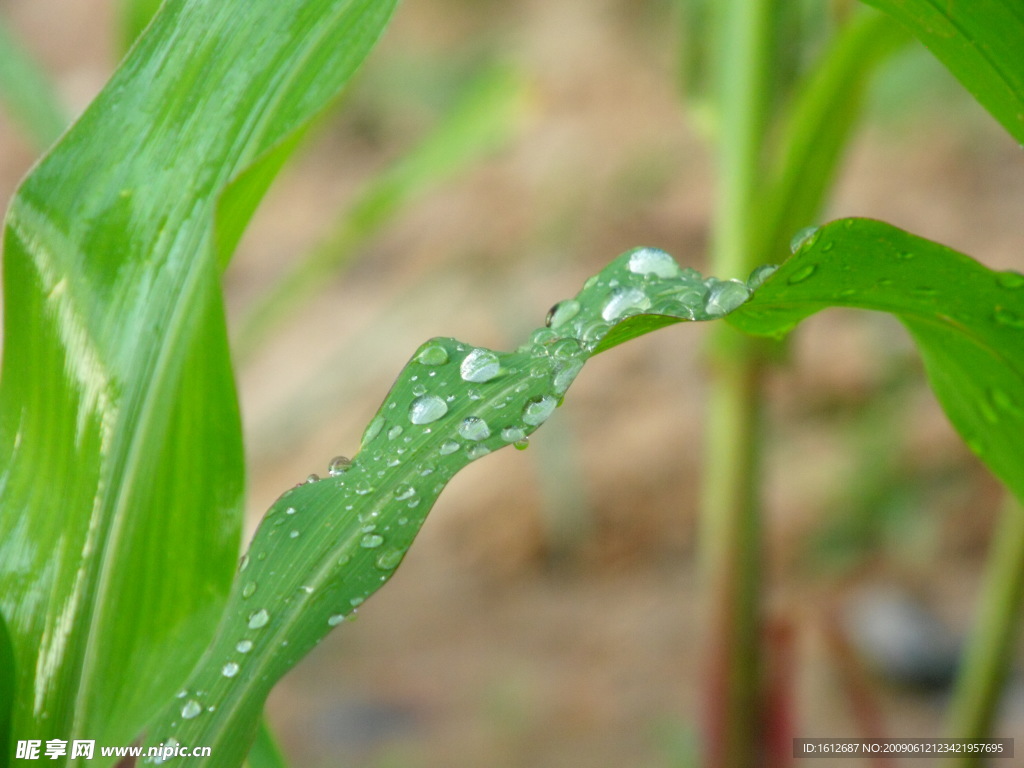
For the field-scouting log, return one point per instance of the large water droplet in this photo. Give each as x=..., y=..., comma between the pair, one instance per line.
x=389, y=560
x=259, y=619
x=339, y=465
x=230, y=669
x=759, y=275
x=624, y=301
x=191, y=709
x=802, y=274
x=479, y=366
x=244, y=646
x=804, y=238
x=371, y=541
x=512, y=434
x=448, y=447
x=562, y=312
x=474, y=428
x=432, y=354
x=724, y=296
x=426, y=409
x=651, y=261
x=538, y=410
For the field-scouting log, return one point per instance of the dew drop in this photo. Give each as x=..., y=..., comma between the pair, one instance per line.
x=651, y=261
x=427, y=409
x=565, y=376
x=339, y=465
x=804, y=238
x=432, y=354
x=191, y=709
x=512, y=434
x=248, y=589
x=802, y=274
x=244, y=563
x=448, y=447
x=724, y=296
x=289, y=511
x=759, y=275
x=564, y=349
x=230, y=669
x=562, y=313
x=474, y=428
x=479, y=366
x=313, y=478
x=389, y=560
x=293, y=535
x=623, y=302
x=404, y=491
x=372, y=429
x=371, y=541
x=538, y=410
x=335, y=620
x=1010, y=279
x=259, y=619
x=1009, y=318
x=476, y=451
x=244, y=646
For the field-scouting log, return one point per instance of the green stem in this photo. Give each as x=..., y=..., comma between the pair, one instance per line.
x=990, y=651
x=730, y=514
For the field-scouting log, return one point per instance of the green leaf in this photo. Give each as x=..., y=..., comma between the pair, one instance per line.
x=327, y=544
x=120, y=448
x=967, y=321
x=980, y=42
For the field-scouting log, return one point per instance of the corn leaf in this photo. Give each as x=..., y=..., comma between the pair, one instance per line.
x=980, y=42
x=327, y=544
x=120, y=448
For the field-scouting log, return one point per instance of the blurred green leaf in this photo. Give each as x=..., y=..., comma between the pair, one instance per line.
x=120, y=441
x=967, y=322
x=28, y=93
x=980, y=42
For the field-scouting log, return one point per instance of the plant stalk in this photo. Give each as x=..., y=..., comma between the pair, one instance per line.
x=990, y=650
x=731, y=535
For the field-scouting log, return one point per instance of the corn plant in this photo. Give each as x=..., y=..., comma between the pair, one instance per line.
x=124, y=611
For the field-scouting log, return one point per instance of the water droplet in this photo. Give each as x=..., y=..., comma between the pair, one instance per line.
x=802, y=274
x=512, y=434
x=259, y=619
x=313, y=478
x=432, y=354
x=651, y=261
x=759, y=275
x=565, y=376
x=339, y=465
x=335, y=620
x=372, y=429
x=479, y=366
x=804, y=238
x=592, y=333
x=724, y=296
x=623, y=302
x=248, y=589
x=474, y=428
x=404, y=491
x=1009, y=318
x=564, y=349
x=293, y=535
x=191, y=709
x=371, y=541
x=244, y=564
x=448, y=447
x=363, y=488
x=289, y=511
x=230, y=669
x=905, y=255
x=476, y=451
x=1010, y=279
x=389, y=560
x=562, y=313
x=419, y=389
x=244, y=646
x=538, y=410
x=427, y=409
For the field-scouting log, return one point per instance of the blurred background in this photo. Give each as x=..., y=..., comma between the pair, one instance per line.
x=488, y=158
